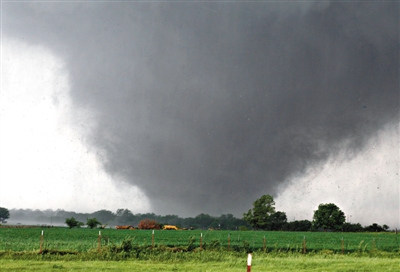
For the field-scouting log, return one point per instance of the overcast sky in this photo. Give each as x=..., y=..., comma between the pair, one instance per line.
x=190, y=107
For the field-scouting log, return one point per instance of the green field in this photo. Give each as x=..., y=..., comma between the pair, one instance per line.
x=81, y=240
x=66, y=249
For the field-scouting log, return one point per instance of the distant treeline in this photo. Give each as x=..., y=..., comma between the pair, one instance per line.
x=201, y=221
x=126, y=217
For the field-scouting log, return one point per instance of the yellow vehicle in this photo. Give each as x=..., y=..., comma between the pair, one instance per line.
x=170, y=227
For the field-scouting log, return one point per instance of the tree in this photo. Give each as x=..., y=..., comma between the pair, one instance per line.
x=376, y=228
x=301, y=225
x=92, y=222
x=205, y=221
x=328, y=216
x=277, y=221
x=72, y=223
x=104, y=216
x=259, y=216
x=351, y=227
x=4, y=215
x=385, y=227
x=228, y=221
x=124, y=216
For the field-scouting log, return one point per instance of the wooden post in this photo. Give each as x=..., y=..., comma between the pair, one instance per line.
x=41, y=243
x=152, y=239
x=264, y=244
x=229, y=242
x=249, y=257
x=99, y=241
x=304, y=245
x=201, y=240
x=342, y=246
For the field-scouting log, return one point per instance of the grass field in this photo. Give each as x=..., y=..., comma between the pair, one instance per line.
x=81, y=240
x=131, y=250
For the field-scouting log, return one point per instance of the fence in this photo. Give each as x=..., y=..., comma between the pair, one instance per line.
x=85, y=239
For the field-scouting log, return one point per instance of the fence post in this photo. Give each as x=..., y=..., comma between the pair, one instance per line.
x=249, y=257
x=342, y=246
x=152, y=239
x=201, y=240
x=304, y=245
x=41, y=243
x=99, y=241
x=264, y=244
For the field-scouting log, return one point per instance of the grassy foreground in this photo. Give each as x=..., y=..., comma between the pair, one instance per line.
x=229, y=263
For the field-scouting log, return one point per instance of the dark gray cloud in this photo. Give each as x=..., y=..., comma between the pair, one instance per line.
x=206, y=106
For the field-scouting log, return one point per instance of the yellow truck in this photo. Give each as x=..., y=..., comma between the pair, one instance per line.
x=170, y=227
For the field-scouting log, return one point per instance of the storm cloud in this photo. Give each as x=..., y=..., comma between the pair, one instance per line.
x=206, y=106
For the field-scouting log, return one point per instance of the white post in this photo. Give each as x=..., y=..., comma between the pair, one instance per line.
x=152, y=238
x=249, y=257
x=99, y=241
x=41, y=243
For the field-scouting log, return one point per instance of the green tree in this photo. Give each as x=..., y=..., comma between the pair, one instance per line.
x=385, y=227
x=204, y=221
x=376, y=228
x=4, y=215
x=259, y=216
x=72, y=223
x=105, y=216
x=277, y=221
x=351, y=227
x=301, y=225
x=92, y=222
x=124, y=216
x=328, y=216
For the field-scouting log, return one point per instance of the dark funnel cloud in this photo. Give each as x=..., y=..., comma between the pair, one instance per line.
x=206, y=106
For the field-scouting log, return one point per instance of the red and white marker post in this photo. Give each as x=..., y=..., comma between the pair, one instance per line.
x=249, y=257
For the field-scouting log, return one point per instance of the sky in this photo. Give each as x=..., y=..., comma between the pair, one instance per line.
x=183, y=108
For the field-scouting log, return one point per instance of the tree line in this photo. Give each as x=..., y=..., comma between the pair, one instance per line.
x=263, y=216
x=126, y=217
x=328, y=217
